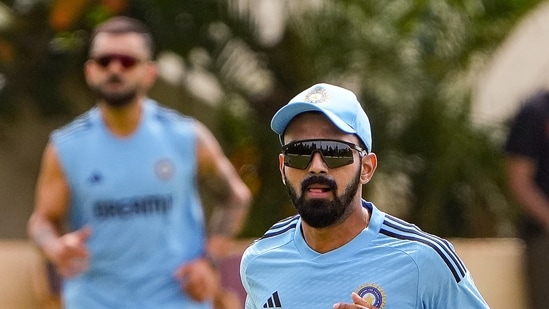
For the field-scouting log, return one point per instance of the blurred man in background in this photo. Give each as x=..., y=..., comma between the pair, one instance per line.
x=117, y=206
x=527, y=163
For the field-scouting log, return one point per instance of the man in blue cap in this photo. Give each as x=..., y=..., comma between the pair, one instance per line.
x=340, y=247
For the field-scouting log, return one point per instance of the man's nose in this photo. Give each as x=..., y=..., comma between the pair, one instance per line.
x=317, y=164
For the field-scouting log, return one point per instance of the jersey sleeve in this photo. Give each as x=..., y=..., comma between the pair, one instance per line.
x=249, y=304
x=243, y=277
x=440, y=288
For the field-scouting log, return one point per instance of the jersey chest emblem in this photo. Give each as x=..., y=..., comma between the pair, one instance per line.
x=164, y=169
x=373, y=294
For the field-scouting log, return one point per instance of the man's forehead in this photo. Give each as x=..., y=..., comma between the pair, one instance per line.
x=123, y=43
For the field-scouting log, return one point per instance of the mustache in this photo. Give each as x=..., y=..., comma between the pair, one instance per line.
x=321, y=180
x=114, y=79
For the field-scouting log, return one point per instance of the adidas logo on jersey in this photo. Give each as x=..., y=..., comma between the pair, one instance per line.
x=95, y=178
x=273, y=301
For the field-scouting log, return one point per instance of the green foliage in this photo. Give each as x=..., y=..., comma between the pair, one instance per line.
x=409, y=61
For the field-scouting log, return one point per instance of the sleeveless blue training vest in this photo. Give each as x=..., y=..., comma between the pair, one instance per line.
x=139, y=196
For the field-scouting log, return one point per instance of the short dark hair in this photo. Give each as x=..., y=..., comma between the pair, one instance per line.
x=124, y=24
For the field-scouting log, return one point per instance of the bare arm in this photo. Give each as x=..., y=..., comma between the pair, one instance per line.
x=51, y=200
x=67, y=252
x=521, y=173
x=232, y=197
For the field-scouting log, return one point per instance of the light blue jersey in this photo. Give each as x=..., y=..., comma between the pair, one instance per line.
x=139, y=196
x=392, y=264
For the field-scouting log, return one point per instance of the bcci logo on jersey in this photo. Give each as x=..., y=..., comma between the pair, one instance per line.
x=164, y=169
x=373, y=295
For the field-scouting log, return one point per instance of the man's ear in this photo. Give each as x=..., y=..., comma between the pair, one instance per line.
x=152, y=73
x=369, y=165
x=87, y=68
x=281, y=167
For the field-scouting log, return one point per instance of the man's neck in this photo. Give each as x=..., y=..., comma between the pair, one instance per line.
x=327, y=239
x=122, y=121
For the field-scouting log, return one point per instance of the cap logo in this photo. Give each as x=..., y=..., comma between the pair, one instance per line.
x=317, y=95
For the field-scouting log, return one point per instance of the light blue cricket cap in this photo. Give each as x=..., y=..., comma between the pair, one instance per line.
x=338, y=104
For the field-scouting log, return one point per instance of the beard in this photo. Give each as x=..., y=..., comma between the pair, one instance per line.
x=114, y=98
x=320, y=213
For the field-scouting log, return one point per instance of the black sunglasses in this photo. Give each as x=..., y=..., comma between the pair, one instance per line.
x=335, y=153
x=127, y=62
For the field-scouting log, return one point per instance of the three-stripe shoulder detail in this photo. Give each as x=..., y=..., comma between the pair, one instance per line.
x=167, y=114
x=281, y=227
x=397, y=228
x=80, y=124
